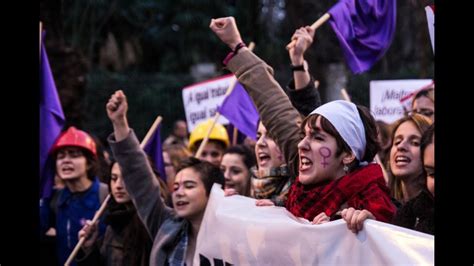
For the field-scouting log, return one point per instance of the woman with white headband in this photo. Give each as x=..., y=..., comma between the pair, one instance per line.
x=331, y=150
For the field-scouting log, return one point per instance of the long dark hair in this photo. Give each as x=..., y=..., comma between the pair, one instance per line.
x=123, y=219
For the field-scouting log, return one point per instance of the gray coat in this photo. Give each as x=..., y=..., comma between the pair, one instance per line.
x=160, y=221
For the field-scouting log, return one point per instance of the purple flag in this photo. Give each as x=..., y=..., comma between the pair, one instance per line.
x=365, y=29
x=155, y=151
x=51, y=123
x=240, y=110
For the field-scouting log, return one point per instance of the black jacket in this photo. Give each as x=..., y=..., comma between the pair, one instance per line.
x=417, y=214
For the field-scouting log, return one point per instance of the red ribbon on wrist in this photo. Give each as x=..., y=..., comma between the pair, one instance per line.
x=233, y=53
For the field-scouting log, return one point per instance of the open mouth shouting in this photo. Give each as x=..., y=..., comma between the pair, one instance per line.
x=305, y=164
x=263, y=159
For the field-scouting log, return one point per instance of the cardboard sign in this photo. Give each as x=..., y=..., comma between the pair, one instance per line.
x=385, y=96
x=202, y=99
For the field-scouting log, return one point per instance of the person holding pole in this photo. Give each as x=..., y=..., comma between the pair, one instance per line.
x=271, y=179
x=76, y=164
x=302, y=89
x=173, y=230
x=89, y=231
x=331, y=150
x=126, y=241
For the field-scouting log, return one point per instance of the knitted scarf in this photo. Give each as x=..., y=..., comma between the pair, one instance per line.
x=273, y=184
x=307, y=201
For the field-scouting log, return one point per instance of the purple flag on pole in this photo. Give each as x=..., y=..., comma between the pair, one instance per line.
x=365, y=29
x=240, y=110
x=155, y=151
x=51, y=123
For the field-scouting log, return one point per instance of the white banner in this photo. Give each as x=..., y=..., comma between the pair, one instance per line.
x=235, y=231
x=201, y=100
x=385, y=96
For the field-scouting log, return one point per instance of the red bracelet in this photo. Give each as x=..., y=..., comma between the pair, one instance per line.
x=233, y=53
x=238, y=46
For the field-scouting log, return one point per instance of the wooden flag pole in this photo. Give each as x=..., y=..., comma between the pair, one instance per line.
x=204, y=141
x=320, y=21
x=234, y=136
x=104, y=204
x=40, y=38
x=346, y=97
x=314, y=26
x=150, y=131
x=81, y=241
x=217, y=115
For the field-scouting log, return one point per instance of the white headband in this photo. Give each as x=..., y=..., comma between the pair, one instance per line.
x=345, y=117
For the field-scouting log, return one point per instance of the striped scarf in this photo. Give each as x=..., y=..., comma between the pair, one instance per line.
x=273, y=184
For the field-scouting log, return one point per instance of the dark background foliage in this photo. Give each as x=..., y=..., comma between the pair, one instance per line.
x=152, y=49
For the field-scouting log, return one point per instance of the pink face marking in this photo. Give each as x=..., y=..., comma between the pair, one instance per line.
x=325, y=152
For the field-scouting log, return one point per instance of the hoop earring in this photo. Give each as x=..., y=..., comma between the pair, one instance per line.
x=345, y=168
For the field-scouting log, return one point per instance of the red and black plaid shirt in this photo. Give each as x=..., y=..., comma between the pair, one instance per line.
x=362, y=189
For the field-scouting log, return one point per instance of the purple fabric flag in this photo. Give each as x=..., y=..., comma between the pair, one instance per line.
x=365, y=29
x=155, y=151
x=51, y=123
x=240, y=110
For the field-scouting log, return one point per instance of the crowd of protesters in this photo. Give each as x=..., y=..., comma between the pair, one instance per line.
x=315, y=159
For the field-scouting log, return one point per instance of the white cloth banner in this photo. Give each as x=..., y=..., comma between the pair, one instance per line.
x=235, y=231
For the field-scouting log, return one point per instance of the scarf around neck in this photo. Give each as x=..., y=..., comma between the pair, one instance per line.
x=266, y=184
x=307, y=201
